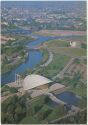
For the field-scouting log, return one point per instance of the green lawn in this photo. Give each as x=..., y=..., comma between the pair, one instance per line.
x=79, y=90
x=58, y=43
x=68, y=51
x=58, y=63
x=54, y=46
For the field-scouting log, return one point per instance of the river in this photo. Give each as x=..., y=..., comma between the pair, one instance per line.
x=34, y=58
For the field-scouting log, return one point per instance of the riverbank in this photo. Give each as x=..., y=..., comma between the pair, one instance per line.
x=49, y=60
x=60, y=32
x=45, y=58
x=16, y=63
x=14, y=53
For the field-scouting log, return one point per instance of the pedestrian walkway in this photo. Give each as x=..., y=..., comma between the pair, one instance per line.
x=49, y=60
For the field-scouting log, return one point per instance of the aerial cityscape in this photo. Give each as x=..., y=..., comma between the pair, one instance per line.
x=43, y=62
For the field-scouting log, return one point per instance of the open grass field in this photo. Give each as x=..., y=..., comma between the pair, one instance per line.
x=58, y=63
x=57, y=42
x=59, y=47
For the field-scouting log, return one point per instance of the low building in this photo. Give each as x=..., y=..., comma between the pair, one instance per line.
x=36, y=85
x=72, y=44
x=36, y=81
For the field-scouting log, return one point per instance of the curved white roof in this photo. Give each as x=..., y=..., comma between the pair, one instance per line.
x=32, y=81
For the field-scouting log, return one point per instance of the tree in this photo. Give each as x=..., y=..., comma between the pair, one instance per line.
x=84, y=46
x=77, y=61
x=76, y=79
x=47, y=100
x=46, y=113
x=13, y=90
x=18, y=109
x=11, y=108
x=10, y=119
x=3, y=117
x=22, y=101
x=14, y=99
x=37, y=108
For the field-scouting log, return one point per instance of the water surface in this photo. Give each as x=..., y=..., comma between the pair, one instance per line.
x=68, y=97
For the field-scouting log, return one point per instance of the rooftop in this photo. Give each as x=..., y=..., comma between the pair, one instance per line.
x=32, y=81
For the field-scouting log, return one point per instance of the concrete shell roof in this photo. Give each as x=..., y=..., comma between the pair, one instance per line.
x=32, y=81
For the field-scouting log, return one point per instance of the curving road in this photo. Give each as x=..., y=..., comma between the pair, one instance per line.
x=49, y=60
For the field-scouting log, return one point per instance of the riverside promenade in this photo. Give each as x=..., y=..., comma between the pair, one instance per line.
x=49, y=60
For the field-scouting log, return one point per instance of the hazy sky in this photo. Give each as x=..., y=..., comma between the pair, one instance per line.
x=43, y=0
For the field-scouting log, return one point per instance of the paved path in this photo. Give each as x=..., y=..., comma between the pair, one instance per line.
x=66, y=116
x=53, y=98
x=49, y=60
x=3, y=98
x=60, y=75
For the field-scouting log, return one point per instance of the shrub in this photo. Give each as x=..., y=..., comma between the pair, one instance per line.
x=47, y=100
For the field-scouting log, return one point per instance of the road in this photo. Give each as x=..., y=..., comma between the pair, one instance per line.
x=10, y=95
x=49, y=60
x=61, y=73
